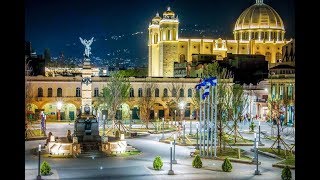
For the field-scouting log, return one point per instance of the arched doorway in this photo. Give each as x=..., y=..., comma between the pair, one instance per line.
x=67, y=111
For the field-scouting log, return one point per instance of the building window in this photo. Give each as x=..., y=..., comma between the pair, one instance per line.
x=131, y=92
x=140, y=92
x=59, y=92
x=174, y=92
x=273, y=92
x=190, y=92
x=40, y=92
x=181, y=92
x=96, y=92
x=194, y=47
x=168, y=35
x=77, y=92
x=156, y=92
x=281, y=92
x=165, y=92
x=148, y=92
x=49, y=92
x=289, y=90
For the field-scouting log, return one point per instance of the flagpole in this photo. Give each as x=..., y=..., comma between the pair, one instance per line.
x=211, y=124
x=215, y=119
x=208, y=119
x=200, y=112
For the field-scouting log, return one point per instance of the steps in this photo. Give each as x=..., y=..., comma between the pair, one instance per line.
x=91, y=150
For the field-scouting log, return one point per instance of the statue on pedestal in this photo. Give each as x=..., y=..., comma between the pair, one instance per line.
x=87, y=44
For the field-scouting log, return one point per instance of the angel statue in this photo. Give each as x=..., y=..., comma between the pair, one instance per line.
x=87, y=45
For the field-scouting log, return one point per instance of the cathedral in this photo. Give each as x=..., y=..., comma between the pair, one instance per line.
x=258, y=30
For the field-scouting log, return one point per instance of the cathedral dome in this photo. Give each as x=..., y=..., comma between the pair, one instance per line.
x=156, y=19
x=259, y=16
x=168, y=13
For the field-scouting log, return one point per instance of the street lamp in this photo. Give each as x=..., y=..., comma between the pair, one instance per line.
x=175, y=113
x=255, y=148
x=39, y=151
x=171, y=172
x=260, y=143
x=257, y=172
x=181, y=106
x=190, y=132
x=162, y=138
x=174, y=161
x=197, y=125
x=184, y=132
x=59, y=106
x=130, y=119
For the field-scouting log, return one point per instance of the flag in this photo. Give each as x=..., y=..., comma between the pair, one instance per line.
x=206, y=92
x=202, y=83
x=212, y=80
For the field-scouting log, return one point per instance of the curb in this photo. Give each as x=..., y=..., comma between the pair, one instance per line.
x=267, y=154
x=282, y=166
x=236, y=160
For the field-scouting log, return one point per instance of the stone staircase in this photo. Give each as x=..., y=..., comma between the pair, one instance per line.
x=91, y=150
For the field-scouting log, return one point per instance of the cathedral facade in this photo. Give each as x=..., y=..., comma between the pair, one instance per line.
x=258, y=30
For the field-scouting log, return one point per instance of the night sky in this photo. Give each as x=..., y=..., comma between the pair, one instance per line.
x=57, y=24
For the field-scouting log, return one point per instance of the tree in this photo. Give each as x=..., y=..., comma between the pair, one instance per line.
x=225, y=78
x=147, y=101
x=114, y=94
x=237, y=106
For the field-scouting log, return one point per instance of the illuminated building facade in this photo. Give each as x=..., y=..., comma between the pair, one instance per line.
x=258, y=30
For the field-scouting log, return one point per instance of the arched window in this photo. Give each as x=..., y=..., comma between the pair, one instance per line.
x=174, y=92
x=140, y=92
x=190, y=92
x=278, y=57
x=155, y=40
x=77, y=92
x=59, y=92
x=156, y=92
x=131, y=92
x=174, y=34
x=49, y=92
x=182, y=58
x=181, y=92
x=96, y=92
x=40, y=92
x=165, y=92
x=168, y=35
x=148, y=92
x=268, y=56
x=256, y=35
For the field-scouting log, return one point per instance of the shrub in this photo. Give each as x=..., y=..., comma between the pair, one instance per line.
x=226, y=165
x=157, y=163
x=252, y=126
x=286, y=173
x=45, y=168
x=197, y=163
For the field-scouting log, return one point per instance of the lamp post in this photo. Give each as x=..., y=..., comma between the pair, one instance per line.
x=197, y=125
x=257, y=172
x=39, y=151
x=171, y=172
x=59, y=105
x=255, y=148
x=175, y=114
x=174, y=161
x=190, y=132
x=162, y=138
x=184, y=132
x=130, y=126
x=260, y=143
